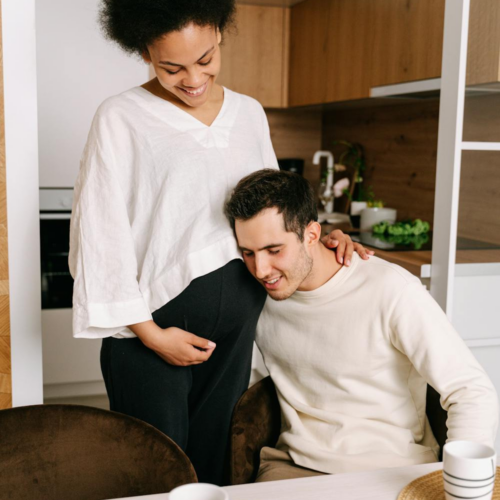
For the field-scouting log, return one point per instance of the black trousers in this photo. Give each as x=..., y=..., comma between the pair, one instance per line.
x=192, y=405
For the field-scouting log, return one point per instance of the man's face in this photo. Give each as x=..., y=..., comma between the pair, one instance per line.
x=275, y=257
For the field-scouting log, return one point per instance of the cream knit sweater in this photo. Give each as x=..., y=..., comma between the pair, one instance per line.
x=351, y=360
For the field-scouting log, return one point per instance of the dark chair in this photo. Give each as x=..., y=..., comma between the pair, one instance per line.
x=256, y=423
x=62, y=452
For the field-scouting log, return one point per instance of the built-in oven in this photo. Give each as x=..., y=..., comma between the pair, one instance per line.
x=55, y=214
x=70, y=366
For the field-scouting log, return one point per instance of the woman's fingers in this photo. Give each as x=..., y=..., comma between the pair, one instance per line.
x=200, y=342
x=180, y=348
x=363, y=252
x=349, y=249
x=330, y=241
x=345, y=247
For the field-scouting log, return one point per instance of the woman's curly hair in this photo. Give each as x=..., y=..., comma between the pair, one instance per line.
x=134, y=24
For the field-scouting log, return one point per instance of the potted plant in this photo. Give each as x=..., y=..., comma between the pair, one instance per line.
x=353, y=160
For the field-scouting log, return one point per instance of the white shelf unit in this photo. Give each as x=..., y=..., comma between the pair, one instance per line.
x=468, y=293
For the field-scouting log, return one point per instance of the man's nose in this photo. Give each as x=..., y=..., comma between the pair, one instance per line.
x=262, y=267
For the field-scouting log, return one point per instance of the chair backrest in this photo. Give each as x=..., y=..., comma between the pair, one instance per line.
x=62, y=452
x=256, y=423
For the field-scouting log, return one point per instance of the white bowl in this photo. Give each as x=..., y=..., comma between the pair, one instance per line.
x=373, y=215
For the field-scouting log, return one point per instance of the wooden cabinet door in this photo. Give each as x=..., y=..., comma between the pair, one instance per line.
x=349, y=49
x=483, y=58
x=254, y=57
x=341, y=48
x=406, y=40
x=309, y=30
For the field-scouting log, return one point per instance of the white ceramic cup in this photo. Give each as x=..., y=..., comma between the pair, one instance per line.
x=468, y=470
x=198, y=491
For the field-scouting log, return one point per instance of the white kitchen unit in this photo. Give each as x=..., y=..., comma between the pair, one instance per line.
x=77, y=69
x=469, y=292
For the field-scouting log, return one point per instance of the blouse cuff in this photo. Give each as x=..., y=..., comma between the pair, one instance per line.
x=104, y=320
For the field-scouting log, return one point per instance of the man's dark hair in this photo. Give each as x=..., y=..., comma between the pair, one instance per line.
x=135, y=24
x=290, y=193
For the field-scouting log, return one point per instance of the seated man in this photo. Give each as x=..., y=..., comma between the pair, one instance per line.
x=350, y=349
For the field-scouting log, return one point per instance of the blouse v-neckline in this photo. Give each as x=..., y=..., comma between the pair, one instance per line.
x=184, y=113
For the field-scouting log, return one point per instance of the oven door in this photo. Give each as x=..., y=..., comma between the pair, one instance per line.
x=57, y=283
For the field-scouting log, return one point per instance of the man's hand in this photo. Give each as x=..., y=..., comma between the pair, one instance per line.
x=345, y=247
x=175, y=346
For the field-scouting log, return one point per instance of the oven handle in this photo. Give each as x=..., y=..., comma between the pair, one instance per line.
x=54, y=216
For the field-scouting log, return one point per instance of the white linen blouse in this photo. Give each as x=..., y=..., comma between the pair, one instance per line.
x=148, y=215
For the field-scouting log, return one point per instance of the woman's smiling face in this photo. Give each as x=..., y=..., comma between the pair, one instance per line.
x=187, y=63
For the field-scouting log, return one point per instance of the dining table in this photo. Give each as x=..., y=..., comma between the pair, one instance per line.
x=381, y=484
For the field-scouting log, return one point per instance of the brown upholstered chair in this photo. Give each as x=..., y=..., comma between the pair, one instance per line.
x=256, y=423
x=62, y=452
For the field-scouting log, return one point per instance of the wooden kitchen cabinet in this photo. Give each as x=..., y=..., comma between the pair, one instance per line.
x=350, y=49
x=255, y=56
x=345, y=47
x=340, y=49
x=483, y=58
x=405, y=41
x=328, y=51
x=309, y=30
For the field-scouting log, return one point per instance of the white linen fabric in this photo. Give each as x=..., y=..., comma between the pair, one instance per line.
x=148, y=209
x=351, y=361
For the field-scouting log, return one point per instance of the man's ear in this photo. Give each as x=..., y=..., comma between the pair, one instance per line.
x=312, y=233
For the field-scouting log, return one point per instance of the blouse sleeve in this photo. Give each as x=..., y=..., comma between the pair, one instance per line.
x=102, y=260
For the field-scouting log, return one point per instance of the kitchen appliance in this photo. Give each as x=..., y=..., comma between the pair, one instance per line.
x=55, y=214
x=70, y=366
x=295, y=165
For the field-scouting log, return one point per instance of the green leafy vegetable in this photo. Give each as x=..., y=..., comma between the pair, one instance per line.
x=403, y=233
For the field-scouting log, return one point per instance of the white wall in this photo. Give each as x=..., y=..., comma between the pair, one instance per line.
x=21, y=145
x=77, y=70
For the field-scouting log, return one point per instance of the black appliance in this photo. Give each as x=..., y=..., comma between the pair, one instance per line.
x=55, y=215
x=295, y=165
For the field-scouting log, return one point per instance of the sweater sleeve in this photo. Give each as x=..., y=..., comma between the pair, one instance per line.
x=102, y=260
x=421, y=330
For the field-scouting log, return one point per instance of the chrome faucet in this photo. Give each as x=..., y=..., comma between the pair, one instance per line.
x=328, y=192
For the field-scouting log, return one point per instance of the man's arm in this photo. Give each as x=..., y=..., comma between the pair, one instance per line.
x=420, y=329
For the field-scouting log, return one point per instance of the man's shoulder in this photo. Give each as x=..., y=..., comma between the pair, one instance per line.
x=385, y=272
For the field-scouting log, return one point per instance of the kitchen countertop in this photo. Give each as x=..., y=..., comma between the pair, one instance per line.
x=418, y=262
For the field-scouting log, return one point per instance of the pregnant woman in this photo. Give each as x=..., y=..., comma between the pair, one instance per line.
x=158, y=274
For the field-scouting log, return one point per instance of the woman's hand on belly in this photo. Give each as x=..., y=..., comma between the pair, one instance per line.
x=173, y=345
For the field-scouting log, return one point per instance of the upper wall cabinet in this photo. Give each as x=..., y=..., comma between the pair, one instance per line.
x=340, y=49
x=405, y=40
x=483, y=58
x=255, y=57
x=329, y=50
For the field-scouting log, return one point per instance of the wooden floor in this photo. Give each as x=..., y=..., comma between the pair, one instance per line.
x=95, y=401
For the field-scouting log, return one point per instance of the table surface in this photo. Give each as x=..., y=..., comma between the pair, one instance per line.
x=382, y=484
